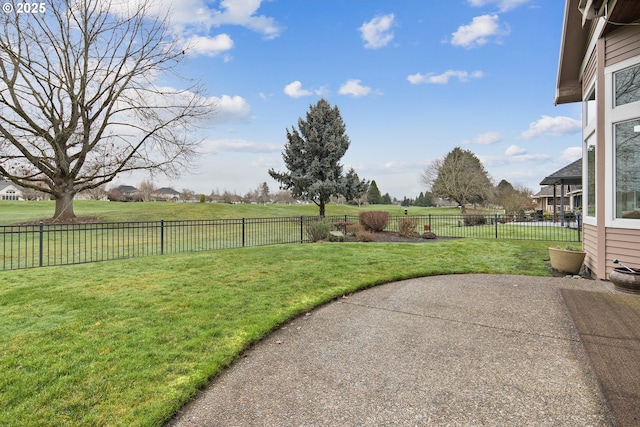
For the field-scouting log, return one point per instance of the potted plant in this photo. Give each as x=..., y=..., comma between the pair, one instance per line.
x=567, y=260
x=625, y=278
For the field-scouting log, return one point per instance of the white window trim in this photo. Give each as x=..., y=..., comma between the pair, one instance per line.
x=587, y=219
x=615, y=115
x=588, y=130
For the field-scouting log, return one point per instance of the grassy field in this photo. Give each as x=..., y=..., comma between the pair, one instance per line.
x=129, y=342
x=17, y=212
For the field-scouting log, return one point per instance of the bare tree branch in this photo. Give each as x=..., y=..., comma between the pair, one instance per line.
x=82, y=100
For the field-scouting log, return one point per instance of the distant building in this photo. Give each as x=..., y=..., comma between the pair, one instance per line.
x=166, y=194
x=10, y=191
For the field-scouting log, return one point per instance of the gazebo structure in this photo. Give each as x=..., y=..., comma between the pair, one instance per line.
x=568, y=175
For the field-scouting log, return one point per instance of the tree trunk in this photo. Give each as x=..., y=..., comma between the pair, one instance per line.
x=321, y=205
x=64, y=207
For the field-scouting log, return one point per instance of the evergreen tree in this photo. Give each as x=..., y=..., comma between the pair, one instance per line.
x=312, y=156
x=373, y=195
x=354, y=188
x=386, y=199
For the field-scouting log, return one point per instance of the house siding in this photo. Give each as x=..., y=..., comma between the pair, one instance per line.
x=590, y=246
x=622, y=44
x=589, y=72
x=622, y=244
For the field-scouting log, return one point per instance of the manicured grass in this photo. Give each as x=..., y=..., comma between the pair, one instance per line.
x=15, y=212
x=129, y=342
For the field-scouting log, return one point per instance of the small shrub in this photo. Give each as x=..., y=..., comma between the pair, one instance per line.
x=354, y=229
x=407, y=227
x=471, y=220
x=319, y=230
x=364, y=236
x=202, y=198
x=375, y=221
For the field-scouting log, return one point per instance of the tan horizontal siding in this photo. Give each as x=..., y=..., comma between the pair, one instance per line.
x=590, y=246
x=622, y=44
x=622, y=244
x=589, y=72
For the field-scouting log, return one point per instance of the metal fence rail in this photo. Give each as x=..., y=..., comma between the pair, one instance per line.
x=41, y=245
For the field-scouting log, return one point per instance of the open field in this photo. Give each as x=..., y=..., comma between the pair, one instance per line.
x=129, y=342
x=17, y=212
x=214, y=226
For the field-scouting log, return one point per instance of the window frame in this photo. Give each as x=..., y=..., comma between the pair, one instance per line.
x=589, y=132
x=614, y=115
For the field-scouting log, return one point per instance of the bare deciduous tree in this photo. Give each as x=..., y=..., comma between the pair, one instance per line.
x=459, y=176
x=146, y=189
x=82, y=100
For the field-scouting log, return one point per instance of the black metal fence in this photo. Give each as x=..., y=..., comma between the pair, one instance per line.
x=41, y=245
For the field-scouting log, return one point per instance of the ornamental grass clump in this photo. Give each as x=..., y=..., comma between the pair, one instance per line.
x=375, y=221
x=407, y=227
x=319, y=230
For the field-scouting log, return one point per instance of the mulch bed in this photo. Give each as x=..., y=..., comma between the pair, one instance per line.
x=609, y=328
x=394, y=237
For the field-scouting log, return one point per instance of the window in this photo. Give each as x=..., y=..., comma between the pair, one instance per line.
x=622, y=144
x=627, y=170
x=627, y=86
x=590, y=196
x=589, y=112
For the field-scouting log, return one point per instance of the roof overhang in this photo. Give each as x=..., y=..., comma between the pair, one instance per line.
x=570, y=174
x=573, y=45
x=576, y=27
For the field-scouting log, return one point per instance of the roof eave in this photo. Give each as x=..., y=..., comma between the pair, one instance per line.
x=572, y=48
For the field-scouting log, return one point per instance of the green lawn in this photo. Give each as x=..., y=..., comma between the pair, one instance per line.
x=16, y=212
x=127, y=343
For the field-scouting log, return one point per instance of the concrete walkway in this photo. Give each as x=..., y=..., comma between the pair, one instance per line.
x=462, y=350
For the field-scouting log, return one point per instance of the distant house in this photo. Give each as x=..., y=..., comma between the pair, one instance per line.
x=124, y=193
x=166, y=194
x=562, y=191
x=599, y=66
x=10, y=191
x=548, y=199
x=127, y=190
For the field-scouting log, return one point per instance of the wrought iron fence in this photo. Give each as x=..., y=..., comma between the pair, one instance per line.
x=41, y=245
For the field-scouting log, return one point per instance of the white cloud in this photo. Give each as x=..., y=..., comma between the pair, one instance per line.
x=519, y=154
x=194, y=18
x=503, y=5
x=241, y=145
x=243, y=13
x=478, y=32
x=486, y=138
x=571, y=154
x=354, y=88
x=462, y=76
x=230, y=108
x=514, y=150
x=294, y=90
x=377, y=32
x=554, y=126
x=209, y=46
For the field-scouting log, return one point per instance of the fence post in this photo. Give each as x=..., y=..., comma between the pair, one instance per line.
x=429, y=221
x=301, y=226
x=41, y=249
x=495, y=220
x=243, y=232
x=579, y=219
x=162, y=237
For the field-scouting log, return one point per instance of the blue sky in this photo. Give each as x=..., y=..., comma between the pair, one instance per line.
x=412, y=78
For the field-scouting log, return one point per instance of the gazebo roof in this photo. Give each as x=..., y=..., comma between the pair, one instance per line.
x=570, y=174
